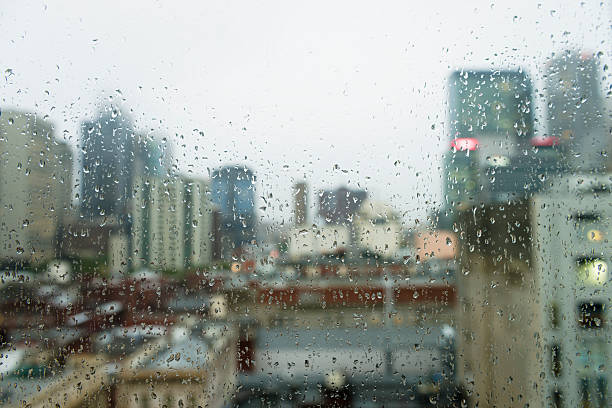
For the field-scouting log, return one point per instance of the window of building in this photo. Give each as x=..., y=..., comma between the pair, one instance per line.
x=591, y=315
x=556, y=364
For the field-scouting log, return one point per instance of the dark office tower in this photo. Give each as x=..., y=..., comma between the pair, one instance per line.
x=575, y=110
x=491, y=125
x=300, y=195
x=107, y=160
x=233, y=192
x=340, y=205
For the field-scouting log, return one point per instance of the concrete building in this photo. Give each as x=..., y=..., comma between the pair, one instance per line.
x=171, y=223
x=114, y=153
x=377, y=229
x=107, y=161
x=373, y=230
x=572, y=253
x=312, y=243
x=233, y=193
x=35, y=188
x=491, y=124
x=576, y=111
x=534, y=291
x=300, y=193
x=498, y=342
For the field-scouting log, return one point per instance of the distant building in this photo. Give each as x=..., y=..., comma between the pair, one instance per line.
x=377, y=230
x=576, y=110
x=172, y=223
x=340, y=205
x=233, y=193
x=435, y=244
x=107, y=164
x=315, y=242
x=491, y=125
x=113, y=154
x=35, y=188
x=300, y=194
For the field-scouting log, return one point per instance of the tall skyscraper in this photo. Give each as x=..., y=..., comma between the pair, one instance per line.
x=491, y=130
x=576, y=111
x=233, y=192
x=113, y=155
x=107, y=163
x=35, y=188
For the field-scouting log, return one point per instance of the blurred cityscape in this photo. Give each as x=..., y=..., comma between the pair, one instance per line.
x=154, y=288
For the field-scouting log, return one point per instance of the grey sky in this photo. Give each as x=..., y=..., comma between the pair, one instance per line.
x=291, y=88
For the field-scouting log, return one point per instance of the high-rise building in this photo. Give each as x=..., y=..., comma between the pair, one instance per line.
x=571, y=259
x=171, y=222
x=575, y=112
x=534, y=288
x=300, y=194
x=497, y=350
x=151, y=157
x=340, y=205
x=107, y=164
x=491, y=129
x=233, y=192
x=35, y=188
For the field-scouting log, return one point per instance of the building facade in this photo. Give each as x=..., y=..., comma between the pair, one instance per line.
x=171, y=223
x=491, y=126
x=576, y=111
x=571, y=257
x=233, y=193
x=534, y=295
x=300, y=194
x=107, y=161
x=35, y=188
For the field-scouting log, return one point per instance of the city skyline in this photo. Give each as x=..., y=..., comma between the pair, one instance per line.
x=306, y=205
x=314, y=110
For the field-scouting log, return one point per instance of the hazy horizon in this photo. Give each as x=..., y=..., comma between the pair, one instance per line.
x=334, y=94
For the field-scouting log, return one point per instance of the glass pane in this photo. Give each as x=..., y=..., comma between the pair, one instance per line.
x=321, y=204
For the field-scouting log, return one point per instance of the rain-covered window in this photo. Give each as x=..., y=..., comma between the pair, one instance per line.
x=305, y=204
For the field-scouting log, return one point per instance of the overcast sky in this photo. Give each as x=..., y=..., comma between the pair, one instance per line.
x=334, y=92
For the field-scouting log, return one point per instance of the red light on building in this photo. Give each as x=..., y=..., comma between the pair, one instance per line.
x=465, y=143
x=545, y=141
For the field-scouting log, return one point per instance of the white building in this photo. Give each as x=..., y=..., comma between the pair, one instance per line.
x=572, y=254
x=35, y=193
x=377, y=229
x=316, y=241
x=171, y=223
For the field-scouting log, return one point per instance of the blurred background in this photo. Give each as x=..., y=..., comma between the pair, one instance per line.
x=239, y=204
